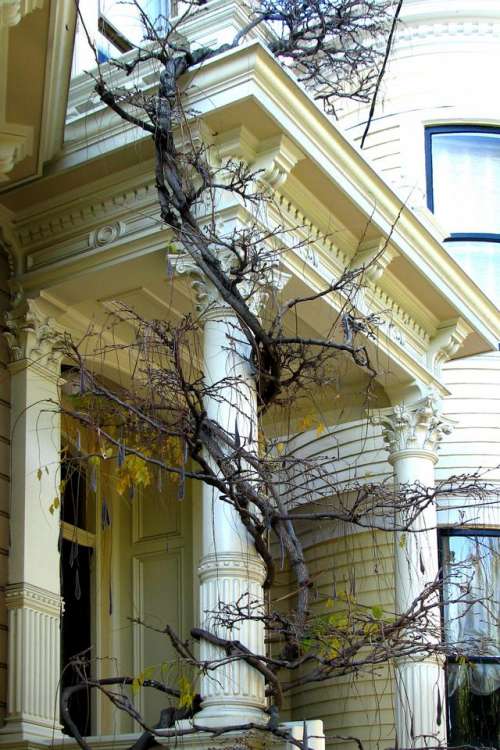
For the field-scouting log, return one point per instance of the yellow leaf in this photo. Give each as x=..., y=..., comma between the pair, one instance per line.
x=280, y=447
x=186, y=697
x=56, y=502
x=306, y=423
x=51, y=509
x=320, y=429
x=39, y=475
x=136, y=685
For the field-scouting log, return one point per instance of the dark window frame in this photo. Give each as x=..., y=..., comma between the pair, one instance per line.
x=457, y=532
x=431, y=130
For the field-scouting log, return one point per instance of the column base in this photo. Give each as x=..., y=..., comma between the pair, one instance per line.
x=227, y=714
x=252, y=739
x=29, y=732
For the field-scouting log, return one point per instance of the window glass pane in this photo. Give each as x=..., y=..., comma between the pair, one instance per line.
x=124, y=16
x=466, y=181
x=471, y=593
x=473, y=719
x=481, y=261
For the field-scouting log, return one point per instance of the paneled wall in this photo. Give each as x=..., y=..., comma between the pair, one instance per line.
x=144, y=570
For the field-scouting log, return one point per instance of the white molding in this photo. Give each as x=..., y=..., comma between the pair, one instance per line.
x=13, y=11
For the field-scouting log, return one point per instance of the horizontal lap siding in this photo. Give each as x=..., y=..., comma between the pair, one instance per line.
x=4, y=483
x=475, y=405
x=354, y=451
x=359, y=706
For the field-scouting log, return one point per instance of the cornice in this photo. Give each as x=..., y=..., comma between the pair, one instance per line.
x=129, y=223
x=251, y=71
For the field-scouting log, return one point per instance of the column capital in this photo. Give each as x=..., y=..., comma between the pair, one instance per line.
x=33, y=339
x=209, y=303
x=418, y=427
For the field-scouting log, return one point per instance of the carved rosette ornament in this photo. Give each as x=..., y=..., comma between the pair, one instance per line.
x=415, y=427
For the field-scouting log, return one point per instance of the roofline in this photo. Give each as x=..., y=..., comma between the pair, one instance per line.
x=323, y=141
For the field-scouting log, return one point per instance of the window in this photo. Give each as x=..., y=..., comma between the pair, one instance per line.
x=471, y=608
x=115, y=27
x=463, y=180
x=463, y=191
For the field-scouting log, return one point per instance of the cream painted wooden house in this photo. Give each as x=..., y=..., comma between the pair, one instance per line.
x=79, y=229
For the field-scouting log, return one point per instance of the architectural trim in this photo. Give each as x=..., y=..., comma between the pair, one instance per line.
x=13, y=11
x=32, y=597
x=416, y=428
x=31, y=337
x=449, y=337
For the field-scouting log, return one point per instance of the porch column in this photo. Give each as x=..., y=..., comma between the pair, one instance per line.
x=230, y=570
x=412, y=435
x=33, y=591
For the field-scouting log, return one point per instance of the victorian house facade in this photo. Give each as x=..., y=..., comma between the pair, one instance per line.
x=79, y=229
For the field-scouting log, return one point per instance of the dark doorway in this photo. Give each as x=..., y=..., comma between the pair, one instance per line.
x=76, y=560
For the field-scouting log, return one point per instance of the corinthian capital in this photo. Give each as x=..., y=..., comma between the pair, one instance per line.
x=254, y=288
x=31, y=337
x=418, y=426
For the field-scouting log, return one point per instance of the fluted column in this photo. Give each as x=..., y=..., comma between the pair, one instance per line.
x=230, y=570
x=33, y=591
x=412, y=435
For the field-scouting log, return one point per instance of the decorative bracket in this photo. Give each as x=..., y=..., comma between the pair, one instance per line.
x=449, y=337
x=373, y=257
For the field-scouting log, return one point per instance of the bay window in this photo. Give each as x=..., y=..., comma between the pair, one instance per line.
x=463, y=191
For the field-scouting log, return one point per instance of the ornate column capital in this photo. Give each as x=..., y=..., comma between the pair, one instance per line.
x=209, y=303
x=31, y=337
x=414, y=427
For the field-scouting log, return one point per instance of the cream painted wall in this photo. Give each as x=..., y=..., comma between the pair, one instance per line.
x=145, y=570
